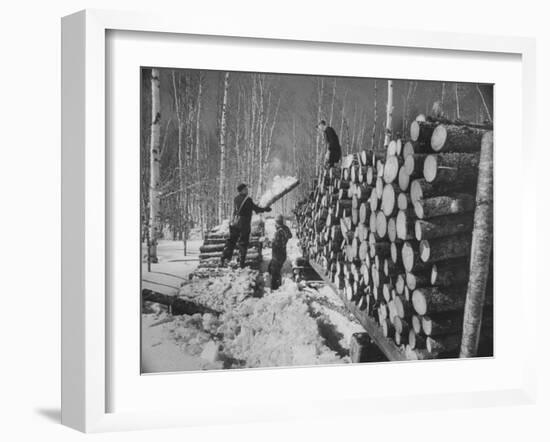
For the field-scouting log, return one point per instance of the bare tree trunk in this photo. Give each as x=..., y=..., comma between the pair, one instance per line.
x=269, y=141
x=354, y=130
x=187, y=162
x=457, y=102
x=332, y=103
x=484, y=104
x=179, y=114
x=238, y=160
x=222, y=149
x=294, y=143
x=375, y=116
x=260, y=140
x=389, y=114
x=200, y=204
x=482, y=245
x=154, y=213
x=320, y=91
x=342, y=116
x=443, y=98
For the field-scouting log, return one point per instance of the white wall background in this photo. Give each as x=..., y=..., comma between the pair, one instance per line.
x=30, y=219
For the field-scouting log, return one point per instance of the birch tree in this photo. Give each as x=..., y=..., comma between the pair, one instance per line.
x=332, y=102
x=222, y=148
x=180, y=116
x=342, y=116
x=200, y=204
x=320, y=92
x=389, y=114
x=373, y=136
x=154, y=220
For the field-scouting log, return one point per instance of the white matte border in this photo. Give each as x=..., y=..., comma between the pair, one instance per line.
x=334, y=379
x=129, y=51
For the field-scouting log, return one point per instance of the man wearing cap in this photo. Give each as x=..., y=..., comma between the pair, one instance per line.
x=278, y=251
x=334, y=151
x=239, y=229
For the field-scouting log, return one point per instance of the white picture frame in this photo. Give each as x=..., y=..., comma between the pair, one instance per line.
x=85, y=234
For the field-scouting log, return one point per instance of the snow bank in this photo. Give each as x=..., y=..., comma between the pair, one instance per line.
x=278, y=186
x=228, y=288
x=275, y=330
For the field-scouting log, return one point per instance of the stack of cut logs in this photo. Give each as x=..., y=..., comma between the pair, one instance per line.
x=214, y=243
x=393, y=231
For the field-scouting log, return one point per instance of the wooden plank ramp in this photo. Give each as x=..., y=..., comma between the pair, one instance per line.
x=163, y=283
x=386, y=345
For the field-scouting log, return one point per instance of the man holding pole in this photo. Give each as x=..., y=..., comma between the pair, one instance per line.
x=239, y=228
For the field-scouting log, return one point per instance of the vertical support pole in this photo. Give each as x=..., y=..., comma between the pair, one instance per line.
x=482, y=244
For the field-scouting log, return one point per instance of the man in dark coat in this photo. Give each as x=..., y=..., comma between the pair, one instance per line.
x=334, y=151
x=278, y=251
x=239, y=229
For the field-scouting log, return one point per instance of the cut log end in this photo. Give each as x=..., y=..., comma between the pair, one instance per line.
x=430, y=167
x=424, y=250
x=439, y=137
x=408, y=256
x=419, y=302
x=388, y=200
x=415, y=130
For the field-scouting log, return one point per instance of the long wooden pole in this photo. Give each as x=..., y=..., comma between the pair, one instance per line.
x=482, y=244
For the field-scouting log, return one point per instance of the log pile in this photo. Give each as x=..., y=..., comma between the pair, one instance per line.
x=214, y=244
x=393, y=231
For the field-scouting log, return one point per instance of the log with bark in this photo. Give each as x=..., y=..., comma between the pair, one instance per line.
x=456, y=138
x=442, y=324
x=421, y=278
x=178, y=305
x=443, y=205
x=439, y=249
x=404, y=201
x=414, y=165
x=413, y=147
x=458, y=169
x=451, y=272
x=403, y=179
x=391, y=168
x=421, y=132
x=404, y=224
x=429, y=300
x=442, y=226
x=389, y=199
x=416, y=340
x=421, y=189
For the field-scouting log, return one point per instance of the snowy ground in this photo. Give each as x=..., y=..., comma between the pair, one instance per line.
x=287, y=327
x=172, y=259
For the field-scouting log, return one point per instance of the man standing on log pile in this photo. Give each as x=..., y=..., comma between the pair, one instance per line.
x=278, y=251
x=239, y=228
x=334, y=151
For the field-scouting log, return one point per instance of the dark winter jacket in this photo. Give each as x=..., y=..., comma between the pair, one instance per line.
x=333, y=144
x=278, y=246
x=248, y=207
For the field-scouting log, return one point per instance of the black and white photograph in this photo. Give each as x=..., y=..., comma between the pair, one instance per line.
x=301, y=220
